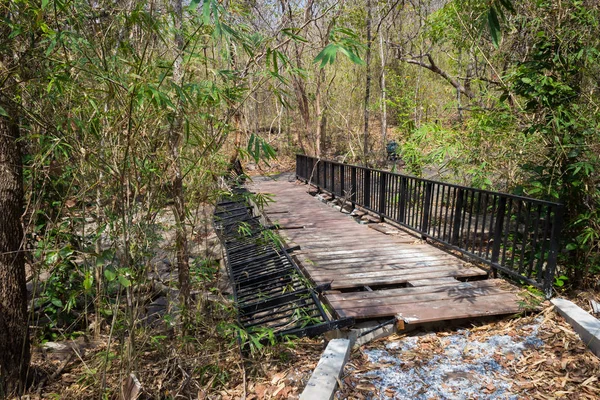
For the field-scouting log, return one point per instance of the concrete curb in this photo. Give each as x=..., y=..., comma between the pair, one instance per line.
x=324, y=379
x=584, y=324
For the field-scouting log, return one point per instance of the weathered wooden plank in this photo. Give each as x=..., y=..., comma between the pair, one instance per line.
x=366, y=273
x=323, y=245
x=432, y=282
x=393, y=280
x=411, y=291
x=415, y=261
x=384, y=252
x=318, y=233
x=319, y=270
x=479, y=306
x=368, y=260
x=451, y=293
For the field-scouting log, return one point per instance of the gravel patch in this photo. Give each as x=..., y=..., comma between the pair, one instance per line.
x=456, y=365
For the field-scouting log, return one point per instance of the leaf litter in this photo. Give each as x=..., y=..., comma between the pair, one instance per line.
x=533, y=357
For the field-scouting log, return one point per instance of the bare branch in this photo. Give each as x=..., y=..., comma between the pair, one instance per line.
x=434, y=68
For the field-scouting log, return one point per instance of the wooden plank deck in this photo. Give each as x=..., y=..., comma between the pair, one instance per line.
x=376, y=275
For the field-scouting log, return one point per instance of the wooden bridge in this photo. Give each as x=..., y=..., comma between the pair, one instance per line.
x=377, y=270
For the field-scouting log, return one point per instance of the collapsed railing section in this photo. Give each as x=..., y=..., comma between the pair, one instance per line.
x=269, y=288
x=516, y=235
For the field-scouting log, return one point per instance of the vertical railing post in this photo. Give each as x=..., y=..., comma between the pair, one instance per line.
x=332, y=180
x=304, y=167
x=402, y=200
x=501, y=210
x=367, y=188
x=353, y=183
x=325, y=173
x=307, y=169
x=426, y=207
x=342, y=180
x=458, y=209
x=320, y=168
x=382, y=192
x=557, y=224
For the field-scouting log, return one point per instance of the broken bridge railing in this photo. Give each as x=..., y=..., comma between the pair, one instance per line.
x=269, y=288
x=516, y=235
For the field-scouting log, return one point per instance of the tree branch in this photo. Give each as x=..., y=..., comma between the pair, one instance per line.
x=434, y=68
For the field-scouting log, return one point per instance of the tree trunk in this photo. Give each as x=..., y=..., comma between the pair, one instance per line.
x=14, y=333
x=367, y=84
x=175, y=139
x=14, y=327
x=383, y=91
x=319, y=115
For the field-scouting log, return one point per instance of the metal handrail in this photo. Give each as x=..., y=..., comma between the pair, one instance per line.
x=513, y=234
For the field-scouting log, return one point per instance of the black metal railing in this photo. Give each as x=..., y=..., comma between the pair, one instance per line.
x=513, y=234
x=269, y=288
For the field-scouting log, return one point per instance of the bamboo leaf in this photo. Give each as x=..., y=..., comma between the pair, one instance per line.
x=508, y=5
x=494, y=26
x=290, y=33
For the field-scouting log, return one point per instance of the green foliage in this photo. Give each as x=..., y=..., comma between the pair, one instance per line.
x=271, y=237
x=253, y=340
x=552, y=81
x=531, y=298
x=63, y=292
x=430, y=145
x=260, y=150
x=203, y=270
x=261, y=199
x=559, y=281
x=494, y=26
x=244, y=229
x=497, y=8
x=344, y=41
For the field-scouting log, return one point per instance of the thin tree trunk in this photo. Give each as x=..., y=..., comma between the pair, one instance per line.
x=319, y=114
x=367, y=84
x=383, y=94
x=14, y=333
x=175, y=139
x=299, y=88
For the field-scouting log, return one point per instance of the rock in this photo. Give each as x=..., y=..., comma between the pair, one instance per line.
x=357, y=213
x=371, y=219
x=131, y=388
x=54, y=346
x=595, y=306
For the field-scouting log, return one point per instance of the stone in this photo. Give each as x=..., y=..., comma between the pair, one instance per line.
x=323, y=382
x=586, y=326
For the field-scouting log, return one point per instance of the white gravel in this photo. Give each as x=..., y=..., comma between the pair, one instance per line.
x=465, y=368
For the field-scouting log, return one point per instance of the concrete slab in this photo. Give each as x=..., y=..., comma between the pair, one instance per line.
x=371, y=331
x=364, y=332
x=324, y=379
x=584, y=324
